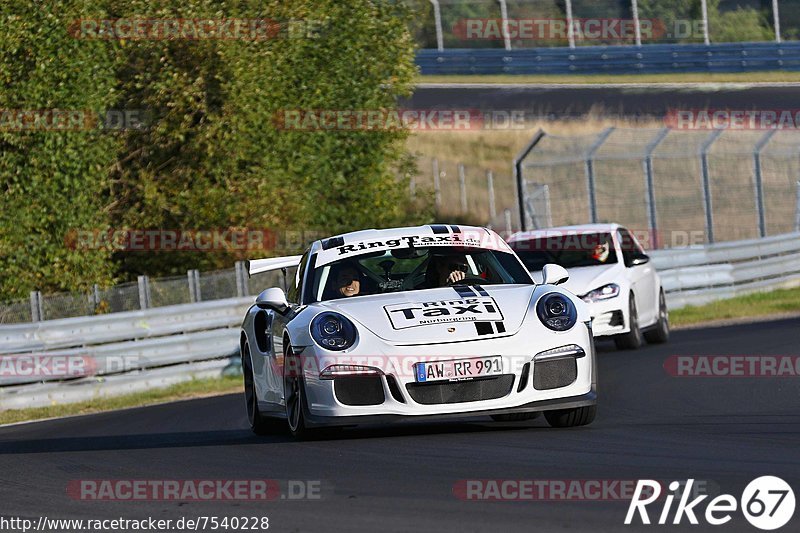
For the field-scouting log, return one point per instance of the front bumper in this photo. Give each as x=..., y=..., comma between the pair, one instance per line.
x=324, y=408
x=609, y=317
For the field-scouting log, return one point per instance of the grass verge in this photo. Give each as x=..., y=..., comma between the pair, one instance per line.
x=197, y=388
x=760, y=304
x=695, y=77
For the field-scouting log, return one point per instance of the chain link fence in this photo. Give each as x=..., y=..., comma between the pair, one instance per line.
x=515, y=24
x=143, y=294
x=673, y=187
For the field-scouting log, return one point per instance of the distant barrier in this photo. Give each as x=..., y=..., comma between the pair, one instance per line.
x=647, y=59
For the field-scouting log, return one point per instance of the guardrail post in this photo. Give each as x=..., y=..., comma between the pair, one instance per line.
x=144, y=292
x=589, y=169
x=707, y=198
x=241, y=279
x=437, y=188
x=650, y=197
x=437, y=20
x=462, y=187
x=759, y=182
x=36, y=307
x=490, y=185
x=797, y=210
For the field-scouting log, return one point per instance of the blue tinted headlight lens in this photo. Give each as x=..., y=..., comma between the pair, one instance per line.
x=333, y=331
x=557, y=312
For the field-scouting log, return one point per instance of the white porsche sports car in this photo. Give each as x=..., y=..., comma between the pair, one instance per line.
x=410, y=324
x=609, y=270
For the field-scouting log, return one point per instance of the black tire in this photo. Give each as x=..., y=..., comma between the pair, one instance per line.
x=294, y=394
x=633, y=339
x=660, y=333
x=259, y=424
x=516, y=417
x=567, y=418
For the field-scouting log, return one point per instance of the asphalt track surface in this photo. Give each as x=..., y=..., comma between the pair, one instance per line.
x=727, y=431
x=629, y=101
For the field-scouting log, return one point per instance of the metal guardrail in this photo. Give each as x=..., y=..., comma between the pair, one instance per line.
x=698, y=275
x=647, y=59
x=157, y=347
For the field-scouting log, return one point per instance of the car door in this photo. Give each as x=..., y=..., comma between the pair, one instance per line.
x=642, y=277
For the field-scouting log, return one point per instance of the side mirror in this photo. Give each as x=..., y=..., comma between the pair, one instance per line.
x=273, y=298
x=553, y=274
x=639, y=259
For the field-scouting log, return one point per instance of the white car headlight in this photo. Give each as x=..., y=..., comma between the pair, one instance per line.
x=603, y=293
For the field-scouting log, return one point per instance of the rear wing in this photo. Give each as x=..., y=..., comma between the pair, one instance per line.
x=256, y=266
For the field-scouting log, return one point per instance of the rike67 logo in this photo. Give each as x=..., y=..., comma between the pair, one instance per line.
x=767, y=503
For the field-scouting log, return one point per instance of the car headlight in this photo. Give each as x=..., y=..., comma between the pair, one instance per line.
x=556, y=311
x=333, y=331
x=603, y=293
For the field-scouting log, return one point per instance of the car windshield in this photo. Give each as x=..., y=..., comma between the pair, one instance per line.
x=413, y=269
x=568, y=251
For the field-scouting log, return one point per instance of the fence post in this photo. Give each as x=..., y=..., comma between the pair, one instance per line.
x=548, y=213
x=490, y=185
x=241, y=279
x=437, y=20
x=36, y=307
x=636, y=22
x=462, y=186
x=589, y=169
x=95, y=296
x=507, y=214
x=704, y=11
x=708, y=204
x=520, y=179
x=570, y=25
x=437, y=189
x=776, y=18
x=759, y=182
x=650, y=193
x=504, y=21
x=144, y=292
x=412, y=186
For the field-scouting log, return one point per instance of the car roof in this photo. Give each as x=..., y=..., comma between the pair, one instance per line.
x=577, y=229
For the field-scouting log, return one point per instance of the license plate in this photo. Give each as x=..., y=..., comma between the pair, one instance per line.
x=458, y=369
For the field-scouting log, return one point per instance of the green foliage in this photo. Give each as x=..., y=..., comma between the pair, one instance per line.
x=213, y=157
x=52, y=181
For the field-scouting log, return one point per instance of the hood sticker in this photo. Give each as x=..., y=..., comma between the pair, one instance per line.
x=409, y=315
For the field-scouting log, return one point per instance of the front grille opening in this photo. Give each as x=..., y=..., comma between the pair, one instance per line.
x=359, y=390
x=461, y=391
x=554, y=373
x=523, y=379
x=394, y=389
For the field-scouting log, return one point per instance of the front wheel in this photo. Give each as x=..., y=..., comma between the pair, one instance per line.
x=660, y=333
x=567, y=418
x=294, y=396
x=633, y=339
